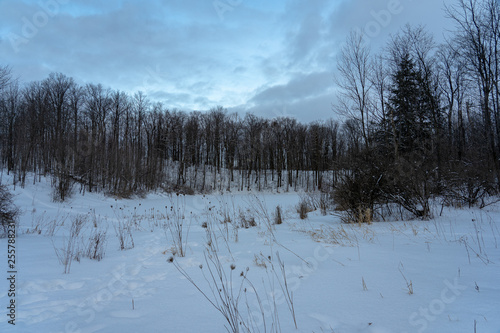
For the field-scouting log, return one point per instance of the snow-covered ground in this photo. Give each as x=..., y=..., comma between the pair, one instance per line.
x=339, y=278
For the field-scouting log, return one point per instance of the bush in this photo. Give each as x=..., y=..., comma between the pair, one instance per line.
x=303, y=209
x=246, y=221
x=324, y=203
x=278, y=219
x=373, y=183
x=8, y=211
x=71, y=245
x=357, y=193
x=176, y=220
x=468, y=184
x=123, y=230
x=177, y=189
x=411, y=185
x=96, y=247
x=62, y=188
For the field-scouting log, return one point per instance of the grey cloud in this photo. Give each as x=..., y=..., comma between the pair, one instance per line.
x=301, y=86
x=239, y=70
x=308, y=36
x=307, y=97
x=306, y=110
x=170, y=99
x=183, y=47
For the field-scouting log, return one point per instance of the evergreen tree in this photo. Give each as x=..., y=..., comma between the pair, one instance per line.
x=409, y=111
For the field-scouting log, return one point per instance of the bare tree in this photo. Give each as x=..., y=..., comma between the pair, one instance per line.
x=379, y=78
x=75, y=102
x=5, y=76
x=119, y=104
x=10, y=110
x=97, y=107
x=354, y=70
x=232, y=129
x=477, y=37
x=57, y=86
x=453, y=84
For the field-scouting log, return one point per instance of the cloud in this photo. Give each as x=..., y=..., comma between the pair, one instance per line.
x=315, y=108
x=299, y=87
x=306, y=97
x=259, y=55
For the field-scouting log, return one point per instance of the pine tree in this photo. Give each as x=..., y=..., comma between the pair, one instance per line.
x=409, y=111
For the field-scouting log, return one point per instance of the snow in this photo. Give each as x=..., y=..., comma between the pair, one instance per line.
x=452, y=263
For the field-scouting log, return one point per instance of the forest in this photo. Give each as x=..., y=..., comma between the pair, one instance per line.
x=411, y=122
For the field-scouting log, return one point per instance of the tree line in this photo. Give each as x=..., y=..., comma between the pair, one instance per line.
x=418, y=120
x=106, y=140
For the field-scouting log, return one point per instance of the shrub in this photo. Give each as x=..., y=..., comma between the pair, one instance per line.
x=71, y=247
x=410, y=186
x=316, y=200
x=357, y=193
x=172, y=188
x=247, y=221
x=468, y=184
x=8, y=211
x=62, y=187
x=176, y=218
x=303, y=209
x=278, y=219
x=123, y=230
x=96, y=246
x=324, y=203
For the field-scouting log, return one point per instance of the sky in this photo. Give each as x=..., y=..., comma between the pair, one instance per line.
x=271, y=58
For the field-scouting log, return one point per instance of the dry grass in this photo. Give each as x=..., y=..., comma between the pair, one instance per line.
x=260, y=260
x=246, y=220
x=71, y=248
x=331, y=235
x=409, y=283
x=176, y=223
x=362, y=215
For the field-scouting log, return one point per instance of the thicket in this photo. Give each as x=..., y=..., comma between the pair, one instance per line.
x=423, y=120
x=8, y=211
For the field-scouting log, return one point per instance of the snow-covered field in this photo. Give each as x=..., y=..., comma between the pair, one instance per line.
x=441, y=275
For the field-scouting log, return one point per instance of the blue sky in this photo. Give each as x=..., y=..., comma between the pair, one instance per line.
x=272, y=58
